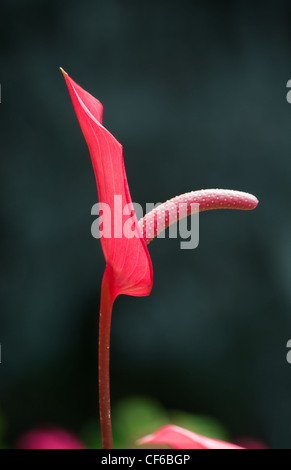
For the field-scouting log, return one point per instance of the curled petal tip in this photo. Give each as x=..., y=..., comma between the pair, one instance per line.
x=63, y=71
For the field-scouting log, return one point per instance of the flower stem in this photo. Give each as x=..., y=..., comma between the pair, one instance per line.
x=103, y=362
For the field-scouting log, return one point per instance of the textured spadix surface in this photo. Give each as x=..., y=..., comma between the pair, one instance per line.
x=182, y=206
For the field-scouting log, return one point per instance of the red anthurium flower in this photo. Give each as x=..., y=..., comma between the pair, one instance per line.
x=128, y=269
x=49, y=438
x=128, y=265
x=180, y=438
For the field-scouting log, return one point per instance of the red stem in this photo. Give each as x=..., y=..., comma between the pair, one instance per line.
x=103, y=362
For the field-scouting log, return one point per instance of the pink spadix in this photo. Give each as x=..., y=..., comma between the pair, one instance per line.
x=181, y=206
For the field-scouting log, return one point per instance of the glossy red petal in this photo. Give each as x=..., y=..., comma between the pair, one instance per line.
x=128, y=261
x=180, y=438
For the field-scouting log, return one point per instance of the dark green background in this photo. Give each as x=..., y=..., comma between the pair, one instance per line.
x=196, y=93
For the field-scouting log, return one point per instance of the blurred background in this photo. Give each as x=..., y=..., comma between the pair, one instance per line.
x=196, y=93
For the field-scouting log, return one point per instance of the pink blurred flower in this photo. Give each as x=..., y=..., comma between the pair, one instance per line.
x=49, y=438
x=180, y=438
